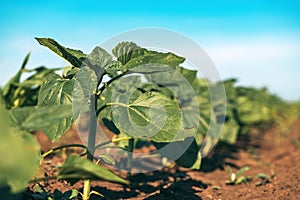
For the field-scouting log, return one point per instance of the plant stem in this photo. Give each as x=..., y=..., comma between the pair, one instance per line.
x=86, y=190
x=92, y=128
x=110, y=81
x=91, y=142
x=61, y=147
x=129, y=159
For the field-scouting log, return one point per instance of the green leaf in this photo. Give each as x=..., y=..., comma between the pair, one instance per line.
x=19, y=155
x=191, y=158
x=12, y=91
x=113, y=68
x=242, y=170
x=34, y=119
x=229, y=132
x=75, y=57
x=85, y=85
x=125, y=51
x=26, y=93
x=57, y=195
x=197, y=163
x=111, y=126
x=262, y=176
x=231, y=173
x=16, y=78
x=56, y=91
x=38, y=78
x=99, y=57
x=190, y=112
x=155, y=60
x=71, y=194
x=230, y=128
x=243, y=179
x=189, y=75
x=178, y=81
x=2, y=102
x=138, y=59
x=151, y=115
x=79, y=168
x=122, y=88
x=106, y=158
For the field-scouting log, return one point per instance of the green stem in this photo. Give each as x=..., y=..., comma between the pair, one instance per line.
x=92, y=128
x=110, y=104
x=91, y=143
x=101, y=108
x=113, y=147
x=110, y=81
x=129, y=159
x=86, y=190
x=61, y=147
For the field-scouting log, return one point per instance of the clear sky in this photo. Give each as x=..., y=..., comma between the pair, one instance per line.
x=256, y=41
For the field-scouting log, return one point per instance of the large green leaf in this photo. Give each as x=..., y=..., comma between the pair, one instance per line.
x=151, y=115
x=179, y=82
x=39, y=118
x=75, y=57
x=119, y=89
x=19, y=155
x=77, y=168
x=56, y=91
x=122, y=88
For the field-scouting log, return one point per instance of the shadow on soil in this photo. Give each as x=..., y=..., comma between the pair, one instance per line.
x=217, y=159
x=157, y=185
x=223, y=153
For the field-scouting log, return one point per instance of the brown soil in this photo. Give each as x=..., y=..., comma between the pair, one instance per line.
x=272, y=153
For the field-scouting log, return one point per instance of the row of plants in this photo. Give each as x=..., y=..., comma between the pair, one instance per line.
x=139, y=95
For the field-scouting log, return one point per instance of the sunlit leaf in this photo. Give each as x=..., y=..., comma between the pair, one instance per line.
x=151, y=115
x=39, y=118
x=153, y=60
x=56, y=91
x=75, y=57
x=99, y=57
x=125, y=51
x=80, y=168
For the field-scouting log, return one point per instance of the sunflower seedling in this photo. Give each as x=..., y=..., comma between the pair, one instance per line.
x=238, y=177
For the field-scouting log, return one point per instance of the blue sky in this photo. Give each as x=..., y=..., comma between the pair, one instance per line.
x=256, y=41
